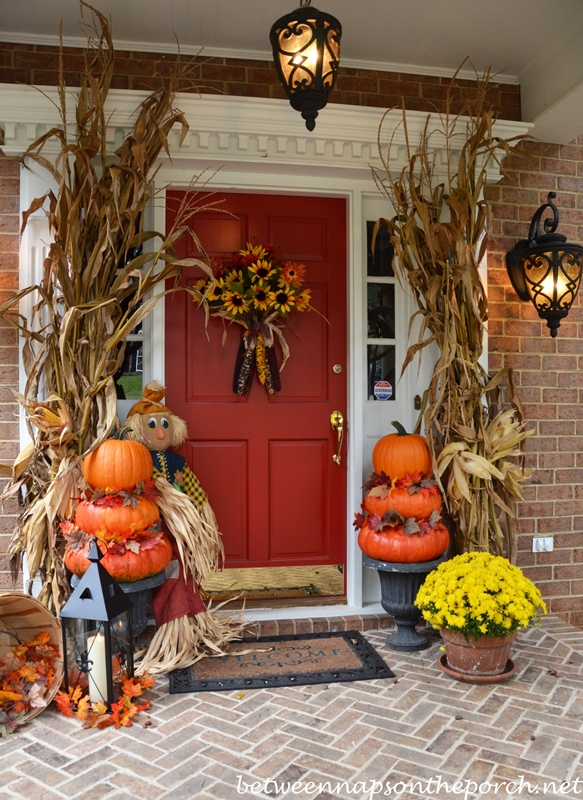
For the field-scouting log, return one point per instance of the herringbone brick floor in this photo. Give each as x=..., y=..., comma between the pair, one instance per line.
x=412, y=737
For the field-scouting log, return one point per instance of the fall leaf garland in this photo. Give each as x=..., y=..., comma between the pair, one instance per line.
x=115, y=542
x=413, y=482
x=392, y=519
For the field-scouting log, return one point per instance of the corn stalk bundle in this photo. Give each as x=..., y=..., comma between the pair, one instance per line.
x=96, y=288
x=440, y=233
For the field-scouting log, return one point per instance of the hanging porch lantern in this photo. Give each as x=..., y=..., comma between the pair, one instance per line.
x=546, y=268
x=97, y=635
x=306, y=52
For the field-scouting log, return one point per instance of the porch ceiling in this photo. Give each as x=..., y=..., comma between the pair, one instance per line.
x=535, y=43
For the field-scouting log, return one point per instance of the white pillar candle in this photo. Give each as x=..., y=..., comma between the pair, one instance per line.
x=98, y=674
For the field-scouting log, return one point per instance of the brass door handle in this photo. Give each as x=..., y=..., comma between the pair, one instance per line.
x=337, y=423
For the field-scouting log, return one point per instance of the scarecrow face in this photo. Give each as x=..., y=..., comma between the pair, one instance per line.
x=158, y=431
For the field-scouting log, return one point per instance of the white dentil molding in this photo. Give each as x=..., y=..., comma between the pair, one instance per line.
x=243, y=129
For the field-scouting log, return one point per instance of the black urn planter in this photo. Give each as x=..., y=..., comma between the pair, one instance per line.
x=399, y=586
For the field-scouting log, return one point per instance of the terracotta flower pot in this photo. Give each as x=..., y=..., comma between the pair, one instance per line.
x=483, y=656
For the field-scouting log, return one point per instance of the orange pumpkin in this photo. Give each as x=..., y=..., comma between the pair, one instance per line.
x=118, y=464
x=96, y=518
x=402, y=452
x=126, y=568
x=393, y=545
x=419, y=505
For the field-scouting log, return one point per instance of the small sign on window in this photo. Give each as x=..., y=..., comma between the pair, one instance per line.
x=383, y=390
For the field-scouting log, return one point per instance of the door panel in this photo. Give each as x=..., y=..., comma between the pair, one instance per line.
x=266, y=461
x=298, y=469
x=301, y=239
x=209, y=458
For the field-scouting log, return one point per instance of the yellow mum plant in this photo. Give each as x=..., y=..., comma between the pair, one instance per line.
x=479, y=594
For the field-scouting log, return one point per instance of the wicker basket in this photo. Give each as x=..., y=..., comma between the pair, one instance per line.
x=24, y=617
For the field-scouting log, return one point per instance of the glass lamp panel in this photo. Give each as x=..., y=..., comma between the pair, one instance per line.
x=85, y=658
x=87, y=654
x=331, y=55
x=568, y=277
x=297, y=54
x=538, y=271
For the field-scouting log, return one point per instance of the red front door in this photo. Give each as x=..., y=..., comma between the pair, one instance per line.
x=267, y=461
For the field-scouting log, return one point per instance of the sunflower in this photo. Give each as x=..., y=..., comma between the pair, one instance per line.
x=261, y=297
x=234, y=276
x=199, y=287
x=258, y=251
x=261, y=270
x=292, y=273
x=235, y=303
x=283, y=300
x=216, y=290
x=303, y=300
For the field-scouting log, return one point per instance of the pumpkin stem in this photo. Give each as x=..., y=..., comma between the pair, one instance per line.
x=122, y=433
x=400, y=429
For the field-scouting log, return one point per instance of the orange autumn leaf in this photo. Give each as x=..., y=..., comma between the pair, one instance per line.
x=64, y=704
x=11, y=677
x=28, y=673
x=83, y=707
x=8, y=696
x=100, y=707
x=41, y=638
x=123, y=712
x=147, y=681
x=132, y=689
x=76, y=694
x=97, y=720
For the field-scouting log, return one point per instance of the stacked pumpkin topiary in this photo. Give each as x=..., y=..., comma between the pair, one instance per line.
x=400, y=519
x=119, y=510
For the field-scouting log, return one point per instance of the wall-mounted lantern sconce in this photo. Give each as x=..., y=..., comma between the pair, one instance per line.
x=306, y=52
x=546, y=268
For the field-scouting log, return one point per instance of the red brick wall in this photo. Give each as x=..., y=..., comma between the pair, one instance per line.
x=548, y=372
x=9, y=207
x=35, y=64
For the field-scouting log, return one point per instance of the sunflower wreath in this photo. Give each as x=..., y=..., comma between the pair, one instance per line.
x=259, y=290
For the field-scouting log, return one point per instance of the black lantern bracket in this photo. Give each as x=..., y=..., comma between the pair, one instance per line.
x=306, y=53
x=545, y=268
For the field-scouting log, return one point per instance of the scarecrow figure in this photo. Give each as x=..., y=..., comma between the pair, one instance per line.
x=186, y=630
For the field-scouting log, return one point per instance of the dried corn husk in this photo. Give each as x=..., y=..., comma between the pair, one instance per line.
x=439, y=233
x=195, y=531
x=184, y=641
x=96, y=287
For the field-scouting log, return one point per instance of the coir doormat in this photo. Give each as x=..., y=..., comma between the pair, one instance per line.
x=294, y=660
